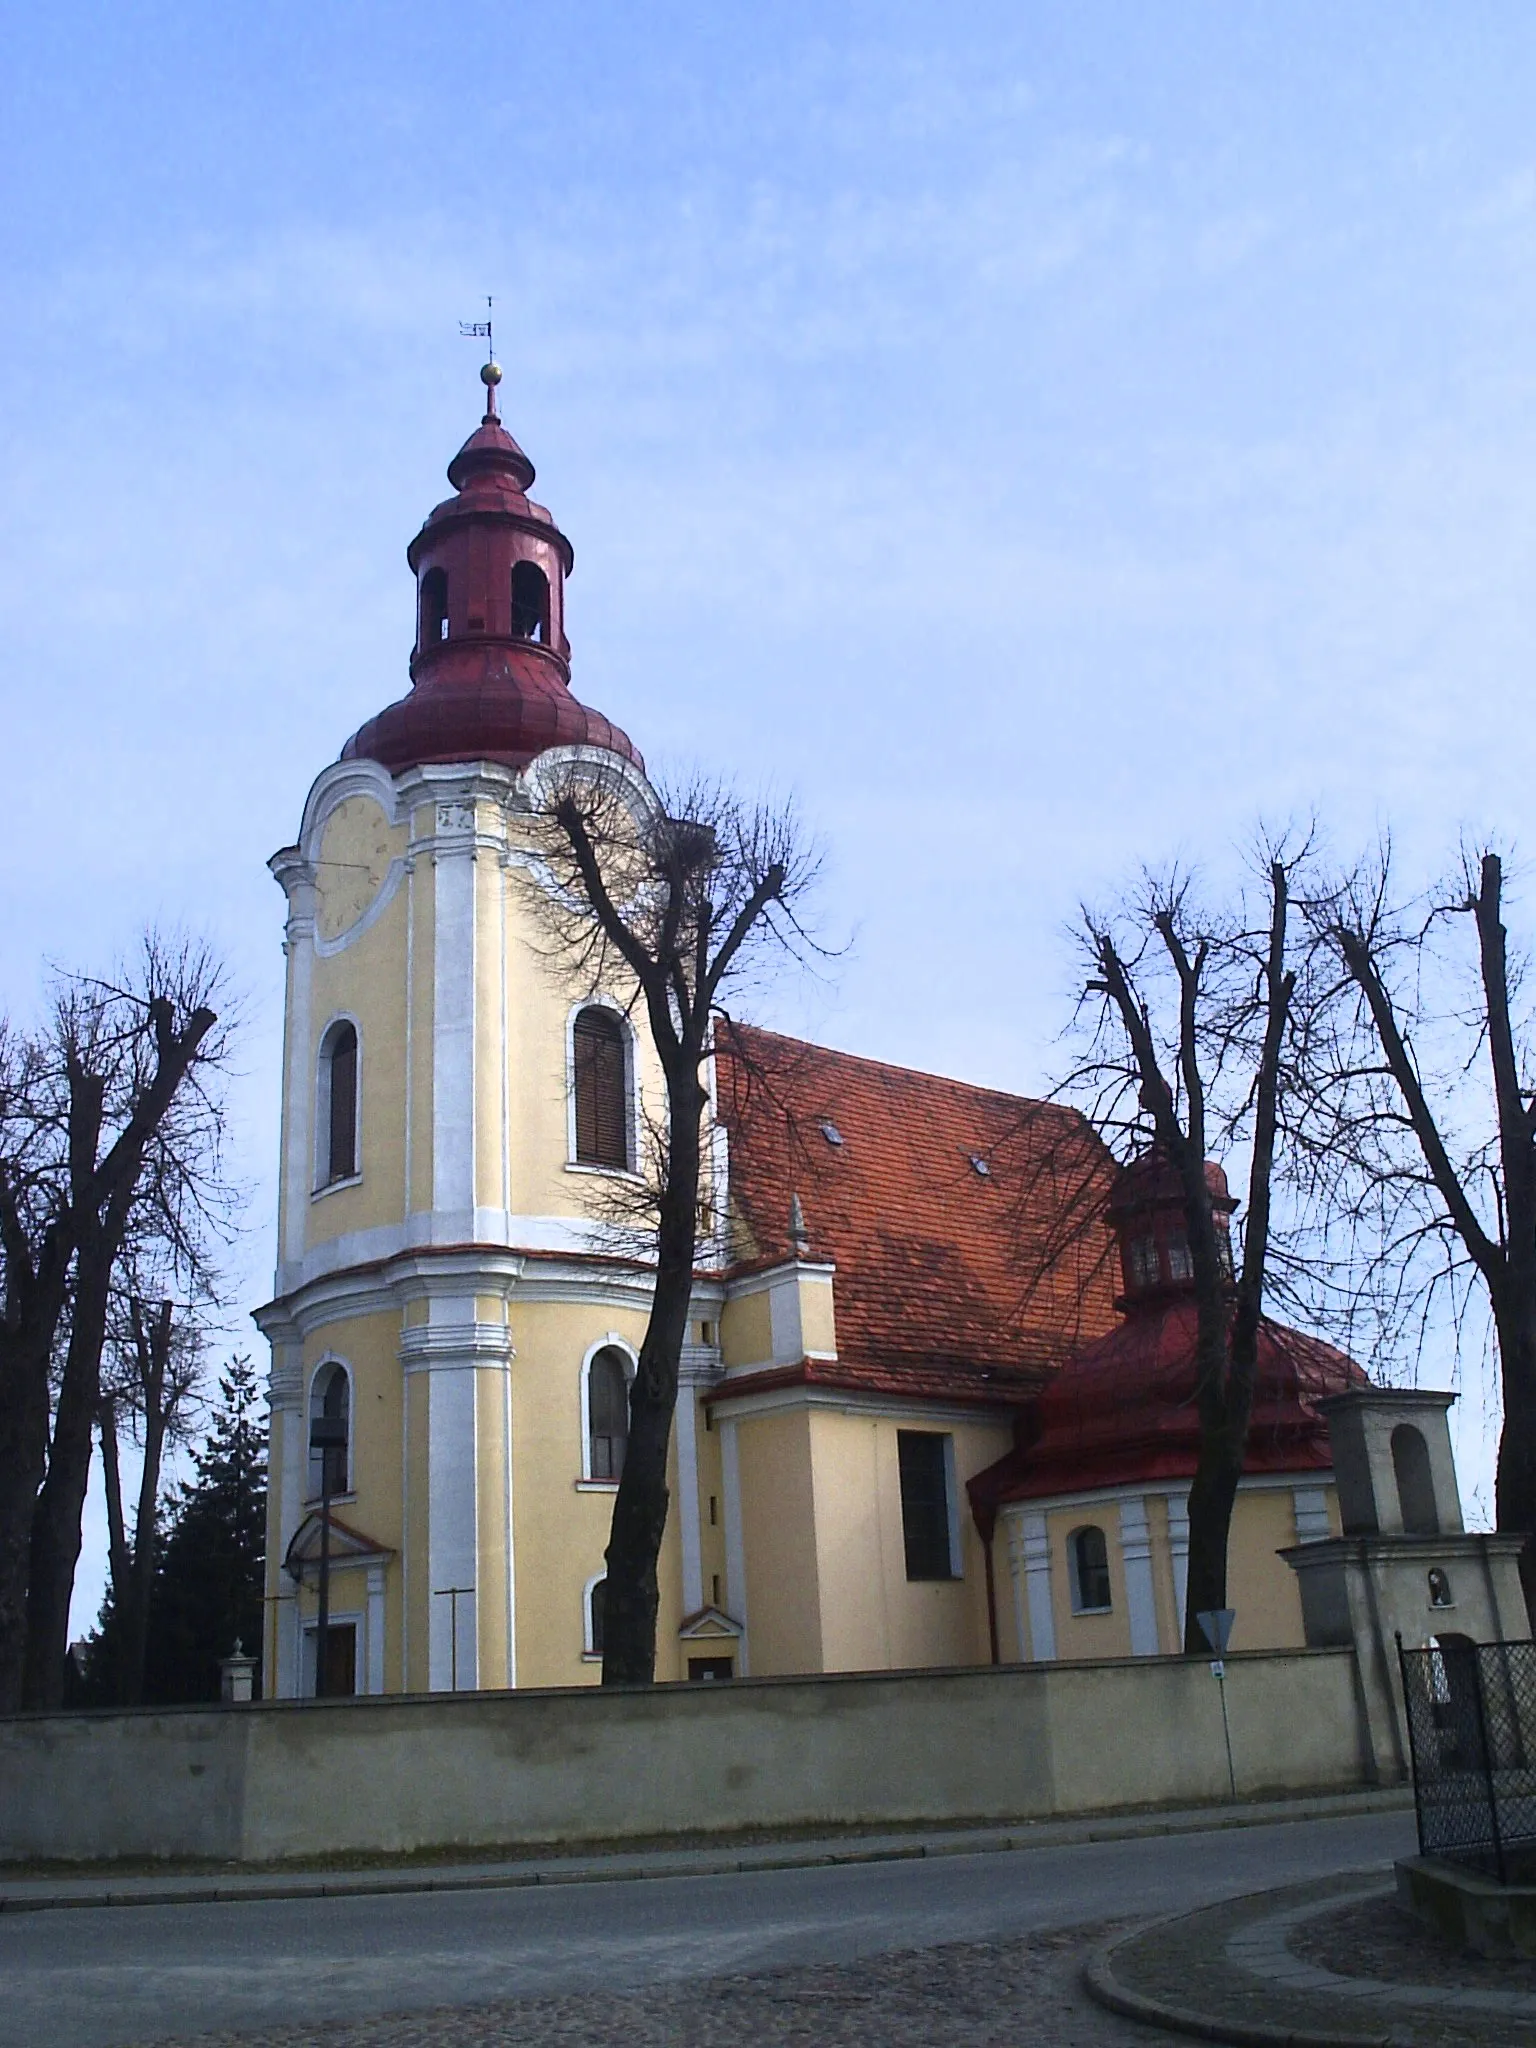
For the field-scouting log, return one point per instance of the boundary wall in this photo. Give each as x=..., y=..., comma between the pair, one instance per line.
x=481, y=1770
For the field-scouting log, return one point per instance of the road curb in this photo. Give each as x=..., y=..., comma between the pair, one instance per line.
x=1104, y=1987
x=615, y=1869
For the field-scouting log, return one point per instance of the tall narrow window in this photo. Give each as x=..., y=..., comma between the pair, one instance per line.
x=601, y=1094
x=338, y=1090
x=596, y=1599
x=434, y=608
x=1088, y=1557
x=530, y=602
x=923, y=1459
x=330, y=1397
x=607, y=1415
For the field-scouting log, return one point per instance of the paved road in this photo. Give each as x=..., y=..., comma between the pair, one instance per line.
x=100, y=1978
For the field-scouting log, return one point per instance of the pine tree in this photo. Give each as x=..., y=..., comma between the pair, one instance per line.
x=207, y=1592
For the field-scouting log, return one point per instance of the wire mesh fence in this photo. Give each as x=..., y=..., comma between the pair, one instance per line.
x=1472, y=1735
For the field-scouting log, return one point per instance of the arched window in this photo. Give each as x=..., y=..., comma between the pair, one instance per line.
x=607, y=1415
x=1088, y=1558
x=592, y=1630
x=602, y=1138
x=1415, y=1484
x=330, y=1395
x=338, y=1103
x=434, y=607
x=530, y=602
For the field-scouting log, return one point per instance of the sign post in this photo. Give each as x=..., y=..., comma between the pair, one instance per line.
x=1216, y=1627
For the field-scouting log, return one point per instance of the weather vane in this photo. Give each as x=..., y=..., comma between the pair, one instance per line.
x=475, y=328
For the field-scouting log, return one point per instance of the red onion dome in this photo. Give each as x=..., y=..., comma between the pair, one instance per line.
x=491, y=666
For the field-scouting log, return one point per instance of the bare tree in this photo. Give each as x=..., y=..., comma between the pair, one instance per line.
x=114, y=1137
x=157, y=1357
x=37, y=1247
x=1428, y=1157
x=679, y=894
x=1190, y=1015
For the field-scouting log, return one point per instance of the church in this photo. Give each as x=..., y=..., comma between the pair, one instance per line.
x=892, y=1449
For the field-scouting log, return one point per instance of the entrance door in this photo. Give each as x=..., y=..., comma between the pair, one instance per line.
x=341, y=1659
x=710, y=1667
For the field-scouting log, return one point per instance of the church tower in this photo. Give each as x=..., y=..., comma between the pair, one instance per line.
x=447, y=1289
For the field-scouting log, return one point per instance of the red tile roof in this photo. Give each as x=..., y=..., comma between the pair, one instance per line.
x=1124, y=1410
x=951, y=1281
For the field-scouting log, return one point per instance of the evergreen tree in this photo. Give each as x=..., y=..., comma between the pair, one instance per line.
x=208, y=1584
x=207, y=1590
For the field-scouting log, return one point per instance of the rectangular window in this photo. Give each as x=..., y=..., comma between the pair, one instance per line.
x=927, y=1507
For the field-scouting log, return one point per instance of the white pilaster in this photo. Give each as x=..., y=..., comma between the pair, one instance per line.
x=1140, y=1595
x=1178, y=1549
x=1311, y=1508
x=286, y=1393
x=1014, y=1530
x=297, y=877
x=688, y=1501
x=453, y=1016
x=374, y=1676
x=1037, y=1577
x=735, y=1551
x=451, y=1548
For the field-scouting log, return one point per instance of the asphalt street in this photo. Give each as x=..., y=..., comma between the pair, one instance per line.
x=104, y=1977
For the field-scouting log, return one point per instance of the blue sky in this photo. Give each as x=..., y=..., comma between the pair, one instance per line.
x=1043, y=437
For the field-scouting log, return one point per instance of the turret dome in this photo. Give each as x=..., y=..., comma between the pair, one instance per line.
x=491, y=667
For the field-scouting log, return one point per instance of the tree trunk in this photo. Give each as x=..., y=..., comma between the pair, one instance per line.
x=56, y=1518
x=35, y=1301
x=153, y=1350
x=1515, y=1476
x=23, y=1462
x=630, y=1595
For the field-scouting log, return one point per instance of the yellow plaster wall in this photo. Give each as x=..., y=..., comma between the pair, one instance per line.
x=365, y=981
x=541, y=990
x=357, y=846
x=1261, y=1587
x=370, y=1346
x=872, y=1616
x=560, y=1529
x=779, y=1535
x=745, y=1330
x=491, y=1525
x=818, y=1323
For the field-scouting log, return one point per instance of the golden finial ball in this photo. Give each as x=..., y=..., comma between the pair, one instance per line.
x=490, y=373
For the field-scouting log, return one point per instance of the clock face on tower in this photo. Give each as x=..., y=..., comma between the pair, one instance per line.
x=357, y=850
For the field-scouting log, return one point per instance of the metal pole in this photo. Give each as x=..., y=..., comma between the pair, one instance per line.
x=323, y=1619
x=1226, y=1729
x=1413, y=1741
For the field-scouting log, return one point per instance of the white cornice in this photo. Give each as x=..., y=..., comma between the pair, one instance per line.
x=434, y=1347
x=773, y=1276
x=463, y=1271
x=1154, y=1489
x=846, y=1401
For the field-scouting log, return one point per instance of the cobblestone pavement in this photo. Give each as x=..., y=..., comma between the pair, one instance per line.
x=1335, y=1960
x=984, y=1994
